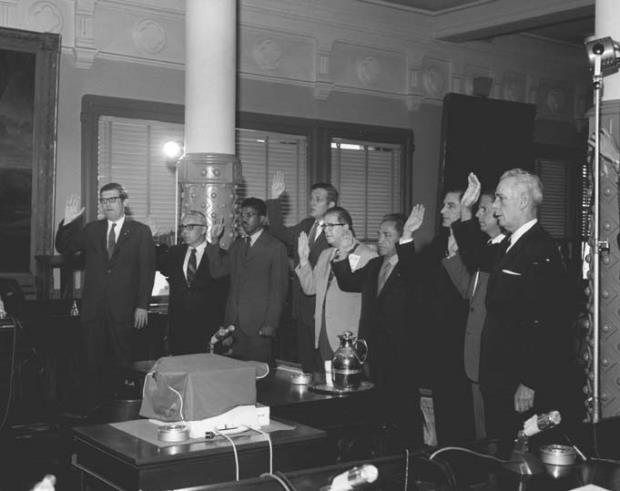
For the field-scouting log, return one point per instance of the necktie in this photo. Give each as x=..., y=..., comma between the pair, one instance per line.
x=503, y=246
x=312, y=233
x=191, y=266
x=248, y=242
x=111, y=240
x=384, y=274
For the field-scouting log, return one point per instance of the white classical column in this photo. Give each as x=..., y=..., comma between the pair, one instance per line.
x=607, y=23
x=210, y=74
x=208, y=172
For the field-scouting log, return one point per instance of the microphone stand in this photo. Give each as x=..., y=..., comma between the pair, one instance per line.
x=597, y=244
x=521, y=460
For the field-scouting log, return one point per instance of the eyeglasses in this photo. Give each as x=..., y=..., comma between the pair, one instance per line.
x=109, y=201
x=330, y=225
x=190, y=226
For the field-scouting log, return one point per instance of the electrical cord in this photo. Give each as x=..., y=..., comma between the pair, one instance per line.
x=406, y=469
x=281, y=479
x=9, y=397
x=234, y=447
x=467, y=450
x=266, y=435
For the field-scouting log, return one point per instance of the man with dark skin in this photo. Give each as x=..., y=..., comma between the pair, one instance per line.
x=258, y=285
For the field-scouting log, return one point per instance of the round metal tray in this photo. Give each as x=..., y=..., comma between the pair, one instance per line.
x=331, y=390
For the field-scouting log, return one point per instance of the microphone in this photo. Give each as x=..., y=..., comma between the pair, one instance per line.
x=220, y=334
x=521, y=460
x=538, y=423
x=354, y=477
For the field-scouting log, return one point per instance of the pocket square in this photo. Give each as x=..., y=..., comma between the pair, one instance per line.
x=354, y=260
x=513, y=273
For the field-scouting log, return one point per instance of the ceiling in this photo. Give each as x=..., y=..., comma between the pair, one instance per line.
x=569, y=28
x=570, y=32
x=434, y=6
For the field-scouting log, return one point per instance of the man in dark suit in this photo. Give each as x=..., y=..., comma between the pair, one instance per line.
x=471, y=282
x=258, y=285
x=118, y=279
x=323, y=196
x=445, y=313
x=389, y=308
x=198, y=287
x=526, y=340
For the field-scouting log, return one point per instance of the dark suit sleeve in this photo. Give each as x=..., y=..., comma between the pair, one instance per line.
x=219, y=261
x=408, y=261
x=349, y=281
x=230, y=314
x=146, y=269
x=472, y=241
x=278, y=284
x=459, y=274
x=70, y=238
x=163, y=259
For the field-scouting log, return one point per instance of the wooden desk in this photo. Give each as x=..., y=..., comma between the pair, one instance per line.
x=114, y=459
x=352, y=422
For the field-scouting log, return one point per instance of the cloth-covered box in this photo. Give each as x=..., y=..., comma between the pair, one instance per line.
x=194, y=387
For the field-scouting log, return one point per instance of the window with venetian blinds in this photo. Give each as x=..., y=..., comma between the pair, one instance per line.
x=130, y=153
x=368, y=176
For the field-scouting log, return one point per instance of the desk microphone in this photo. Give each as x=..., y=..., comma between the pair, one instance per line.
x=353, y=478
x=220, y=334
x=541, y=422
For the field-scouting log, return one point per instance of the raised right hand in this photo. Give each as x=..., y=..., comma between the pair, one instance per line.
x=472, y=193
x=303, y=248
x=217, y=229
x=277, y=185
x=72, y=208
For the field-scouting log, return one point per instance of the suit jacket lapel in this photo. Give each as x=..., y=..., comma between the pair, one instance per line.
x=103, y=238
x=390, y=278
x=320, y=243
x=518, y=246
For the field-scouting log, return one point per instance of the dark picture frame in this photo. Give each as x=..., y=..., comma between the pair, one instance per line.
x=29, y=72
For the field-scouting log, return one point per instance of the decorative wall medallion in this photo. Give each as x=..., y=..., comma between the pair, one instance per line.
x=45, y=17
x=433, y=81
x=556, y=101
x=149, y=36
x=368, y=70
x=267, y=54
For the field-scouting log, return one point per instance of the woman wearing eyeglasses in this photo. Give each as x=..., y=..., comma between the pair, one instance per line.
x=335, y=311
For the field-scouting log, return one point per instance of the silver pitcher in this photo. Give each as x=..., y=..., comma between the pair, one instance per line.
x=347, y=362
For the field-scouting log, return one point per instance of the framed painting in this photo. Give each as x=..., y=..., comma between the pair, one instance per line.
x=29, y=63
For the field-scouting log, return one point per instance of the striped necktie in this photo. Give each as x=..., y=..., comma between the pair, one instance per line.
x=191, y=266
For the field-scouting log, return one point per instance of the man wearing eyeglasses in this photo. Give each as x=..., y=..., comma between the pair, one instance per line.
x=323, y=196
x=198, y=287
x=118, y=279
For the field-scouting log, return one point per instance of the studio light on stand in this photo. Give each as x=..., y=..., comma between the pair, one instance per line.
x=604, y=59
x=173, y=150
